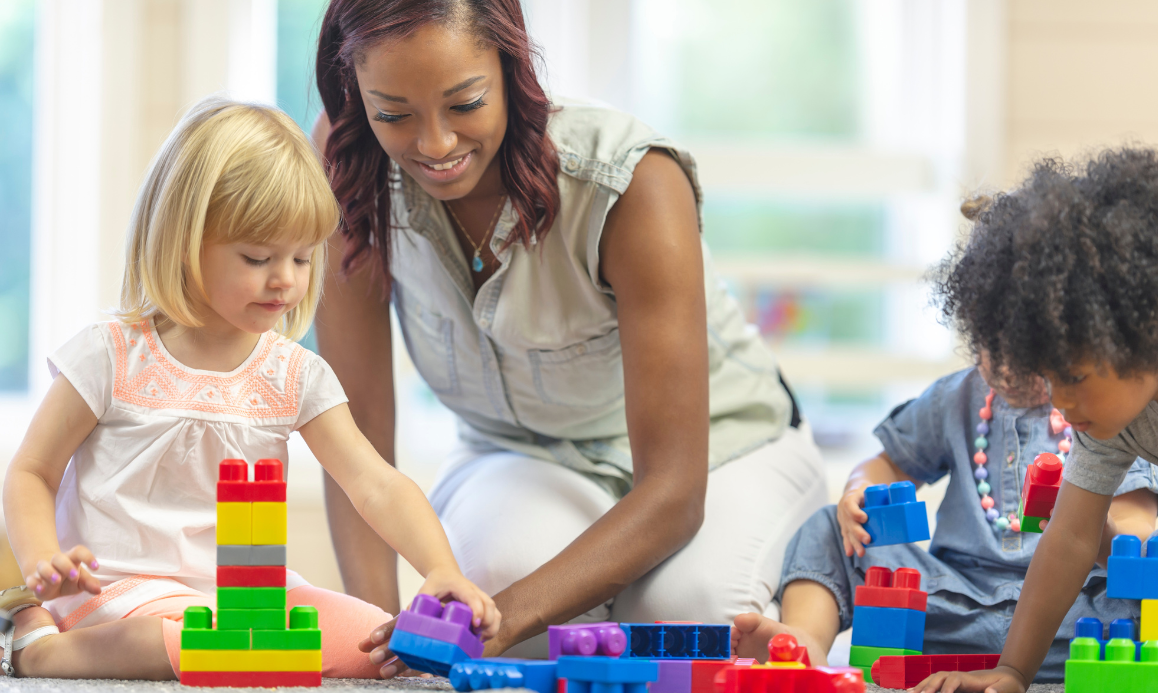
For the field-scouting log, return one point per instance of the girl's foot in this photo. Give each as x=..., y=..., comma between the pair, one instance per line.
x=27, y=620
x=751, y=634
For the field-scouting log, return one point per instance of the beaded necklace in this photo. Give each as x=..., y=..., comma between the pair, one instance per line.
x=1057, y=424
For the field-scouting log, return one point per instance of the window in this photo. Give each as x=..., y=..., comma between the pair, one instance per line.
x=16, y=42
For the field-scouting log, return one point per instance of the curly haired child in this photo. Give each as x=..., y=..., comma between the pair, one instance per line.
x=119, y=465
x=1060, y=278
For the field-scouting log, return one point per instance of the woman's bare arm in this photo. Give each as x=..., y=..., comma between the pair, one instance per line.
x=353, y=329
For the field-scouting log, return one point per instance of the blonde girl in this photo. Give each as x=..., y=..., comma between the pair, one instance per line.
x=119, y=466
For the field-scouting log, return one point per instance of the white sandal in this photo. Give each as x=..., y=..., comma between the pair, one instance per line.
x=12, y=601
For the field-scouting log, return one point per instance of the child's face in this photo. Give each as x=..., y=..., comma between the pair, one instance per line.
x=1019, y=392
x=252, y=286
x=1102, y=403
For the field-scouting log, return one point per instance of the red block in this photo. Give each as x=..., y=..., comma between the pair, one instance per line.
x=909, y=670
x=784, y=648
x=268, y=485
x=251, y=679
x=1042, y=482
x=251, y=576
x=899, y=590
x=784, y=680
x=704, y=673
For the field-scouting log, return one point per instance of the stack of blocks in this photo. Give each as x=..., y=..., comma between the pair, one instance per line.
x=433, y=638
x=251, y=645
x=1039, y=493
x=1121, y=663
x=888, y=617
x=894, y=514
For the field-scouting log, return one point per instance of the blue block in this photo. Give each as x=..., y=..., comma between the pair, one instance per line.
x=503, y=672
x=677, y=641
x=875, y=626
x=895, y=516
x=1120, y=629
x=1130, y=576
x=426, y=654
x=608, y=674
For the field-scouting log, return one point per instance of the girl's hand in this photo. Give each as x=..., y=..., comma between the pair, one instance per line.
x=447, y=584
x=65, y=573
x=1003, y=679
x=851, y=516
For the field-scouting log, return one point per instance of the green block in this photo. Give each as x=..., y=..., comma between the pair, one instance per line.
x=244, y=619
x=251, y=598
x=863, y=656
x=1029, y=524
x=198, y=639
x=200, y=617
x=867, y=673
x=300, y=639
x=303, y=617
x=1121, y=650
x=1150, y=651
x=1086, y=676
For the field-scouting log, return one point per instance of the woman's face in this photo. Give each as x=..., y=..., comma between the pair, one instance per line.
x=437, y=103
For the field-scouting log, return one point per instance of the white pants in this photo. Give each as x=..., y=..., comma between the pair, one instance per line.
x=506, y=514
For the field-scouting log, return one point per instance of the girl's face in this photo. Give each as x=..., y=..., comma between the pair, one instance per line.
x=1102, y=403
x=250, y=286
x=437, y=103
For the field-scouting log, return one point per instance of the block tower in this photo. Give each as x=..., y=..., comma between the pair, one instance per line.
x=888, y=617
x=1039, y=493
x=251, y=645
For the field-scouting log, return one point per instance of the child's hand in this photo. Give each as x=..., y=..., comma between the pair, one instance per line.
x=65, y=573
x=851, y=516
x=999, y=680
x=451, y=584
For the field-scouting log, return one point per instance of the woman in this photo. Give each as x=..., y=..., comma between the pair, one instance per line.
x=546, y=267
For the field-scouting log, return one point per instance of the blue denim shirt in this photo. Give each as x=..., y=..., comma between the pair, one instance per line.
x=933, y=435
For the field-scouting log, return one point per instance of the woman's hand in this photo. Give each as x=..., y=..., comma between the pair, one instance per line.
x=449, y=583
x=851, y=516
x=377, y=645
x=999, y=680
x=64, y=573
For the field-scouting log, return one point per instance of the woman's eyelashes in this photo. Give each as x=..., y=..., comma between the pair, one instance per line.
x=468, y=107
x=383, y=117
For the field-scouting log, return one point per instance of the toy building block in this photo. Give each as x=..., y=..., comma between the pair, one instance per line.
x=269, y=523
x=606, y=674
x=895, y=516
x=908, y=671
x=503, y=672
x=303, y=633
x=1149, y=620
x=432, y=638
x=247, y=554
x=251, y=598
x=897, y=590
x=586, y=639
x=1042, y=482
x=250, y=576
x=675, y=676
x=251, y=660
x=252, y=679
x=248, y=619
x=233, y=482
x=863, y=657
x=268, y=482
x=1116, y=673
x=1120, y=629
x=197, y=632
x=234, y=523
x=1130, y=576
x=704, y=672
x=883, y=627
x=677, y=641
x=784, y=680
x=784, y=648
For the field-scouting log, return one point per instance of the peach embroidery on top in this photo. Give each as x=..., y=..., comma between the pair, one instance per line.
x=246, y=393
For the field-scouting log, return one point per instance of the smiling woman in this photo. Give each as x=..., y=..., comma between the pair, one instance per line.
x=628, y=448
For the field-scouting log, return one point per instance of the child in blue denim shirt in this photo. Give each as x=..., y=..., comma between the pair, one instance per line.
x=976, y=563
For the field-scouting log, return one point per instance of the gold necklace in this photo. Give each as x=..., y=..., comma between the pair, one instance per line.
x=476, y=264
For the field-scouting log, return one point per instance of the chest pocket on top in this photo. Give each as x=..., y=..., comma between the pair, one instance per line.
x=588, y=374
x=430, y=341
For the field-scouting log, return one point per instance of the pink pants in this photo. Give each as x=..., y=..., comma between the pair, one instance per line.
x=345, y=621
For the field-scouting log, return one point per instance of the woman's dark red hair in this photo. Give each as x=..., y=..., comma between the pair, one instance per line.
x=358, y=167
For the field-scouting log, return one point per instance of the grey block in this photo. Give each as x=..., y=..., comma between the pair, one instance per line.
x=244, y=554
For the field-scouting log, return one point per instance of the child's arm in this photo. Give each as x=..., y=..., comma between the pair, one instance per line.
x=1056, y=574
x=396, y=509
x=60, y=425
x=1130, y=513
x=849, y=510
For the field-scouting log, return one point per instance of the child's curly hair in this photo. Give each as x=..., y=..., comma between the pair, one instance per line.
x=1063, y=269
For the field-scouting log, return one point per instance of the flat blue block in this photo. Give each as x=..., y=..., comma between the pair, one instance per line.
x=874, y=626
x=1130, y=576
x=895, y=515
x=426, y=654
x=677, y=641
x=503, y=672
x=606, y=674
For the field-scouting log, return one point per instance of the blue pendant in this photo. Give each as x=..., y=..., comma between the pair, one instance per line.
x=477, y=264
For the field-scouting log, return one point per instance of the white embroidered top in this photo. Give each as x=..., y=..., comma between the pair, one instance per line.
x=141, y=491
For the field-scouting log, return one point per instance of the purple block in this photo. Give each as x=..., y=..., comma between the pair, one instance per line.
x=675, y=676
x=586, y=640
x=428, y=618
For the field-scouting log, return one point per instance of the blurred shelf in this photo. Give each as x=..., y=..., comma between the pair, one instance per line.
x=860, y=368
x=815, y=271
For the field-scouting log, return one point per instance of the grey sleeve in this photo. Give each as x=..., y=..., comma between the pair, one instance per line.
x=1098, y=466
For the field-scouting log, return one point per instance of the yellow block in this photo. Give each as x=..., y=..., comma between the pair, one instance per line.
x=780, y=665
x=1149, y=620
x=269, y=523
x=234, y=521
x=251, y=660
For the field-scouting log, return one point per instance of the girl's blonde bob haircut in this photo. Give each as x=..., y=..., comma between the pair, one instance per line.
x=228, y=173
